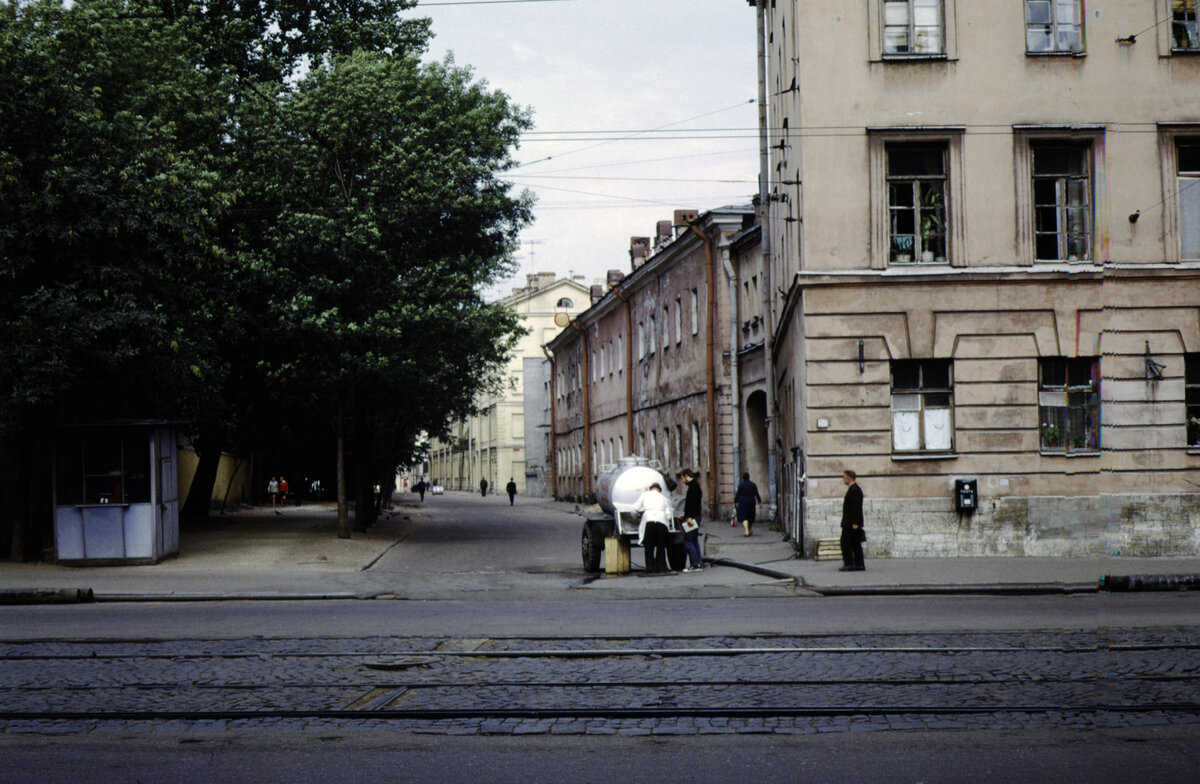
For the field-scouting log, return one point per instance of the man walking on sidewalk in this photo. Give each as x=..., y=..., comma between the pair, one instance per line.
x=853, y=534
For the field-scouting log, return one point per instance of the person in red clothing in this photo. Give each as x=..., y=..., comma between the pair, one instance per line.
x=283, y=493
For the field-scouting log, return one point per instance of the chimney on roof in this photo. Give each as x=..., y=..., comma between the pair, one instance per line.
x=614, y=277
x=685, y=217
x=662, y=234
x=639, y=250
x=597, y=292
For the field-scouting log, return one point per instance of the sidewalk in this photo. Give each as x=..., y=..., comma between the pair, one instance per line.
x=255, y=554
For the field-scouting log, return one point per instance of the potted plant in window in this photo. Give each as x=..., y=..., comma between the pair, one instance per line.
x=932, y=205
x=1050, y=436
x=902, y=248
x=1193, y=431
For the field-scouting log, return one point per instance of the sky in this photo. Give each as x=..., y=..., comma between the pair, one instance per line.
x=640, y=107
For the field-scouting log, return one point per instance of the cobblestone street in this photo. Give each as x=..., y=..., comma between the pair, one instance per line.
x=601, y=686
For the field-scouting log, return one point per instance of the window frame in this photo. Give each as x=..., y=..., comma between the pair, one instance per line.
x=1180, y=182
x=879, y=140
x=1025, y=140
x=1053, y=24
x=923, y=391
x=875, y=36
x=928, y=207
x=1191, y=401
x=1173, y=29
x=1063, y=204
x=1047, y=431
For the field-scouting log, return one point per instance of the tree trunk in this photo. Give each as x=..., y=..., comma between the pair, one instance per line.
x=200, y=493
x=343, y=512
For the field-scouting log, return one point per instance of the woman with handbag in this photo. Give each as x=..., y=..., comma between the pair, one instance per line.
x=692, y=504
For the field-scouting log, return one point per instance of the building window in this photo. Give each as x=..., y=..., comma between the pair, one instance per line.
x=1184, y=15
x=619, y=359
x=696, y=446
x=1053, y=26
x=1187, y=156
x=653, y=453
x=678, y=320
x=641, y=340
x=1069, y=404
x=1191, y=380
x=916, y=180
x=679, y=445
x=1062, y=201
x=104, y=468
x=695, y=312
x=922, y=397
x=652, y=337
x=913, y=27
x=666, y=327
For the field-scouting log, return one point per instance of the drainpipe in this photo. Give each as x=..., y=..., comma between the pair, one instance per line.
x=628, y=366
x=553, y=434
x=710, y=370
x=587, y=413
x=735, y=383
x=764, y=224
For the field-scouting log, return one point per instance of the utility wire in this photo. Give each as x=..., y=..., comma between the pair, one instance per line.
x=636, y=134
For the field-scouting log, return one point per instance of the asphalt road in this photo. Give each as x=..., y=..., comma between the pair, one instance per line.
x=472, y=571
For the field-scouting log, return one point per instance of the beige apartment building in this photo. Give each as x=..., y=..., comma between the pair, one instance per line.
x=491, y=444
x=648, y=369
x=985, y=229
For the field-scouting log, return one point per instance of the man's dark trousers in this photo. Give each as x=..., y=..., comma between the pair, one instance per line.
x=655, y=546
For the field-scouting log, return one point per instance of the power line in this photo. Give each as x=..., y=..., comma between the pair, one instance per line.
x=659, y=128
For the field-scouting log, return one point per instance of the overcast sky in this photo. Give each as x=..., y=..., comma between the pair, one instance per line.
x=640, y=107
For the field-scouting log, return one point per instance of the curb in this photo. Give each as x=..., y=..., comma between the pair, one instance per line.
x=1000, y=589
x=13, y=596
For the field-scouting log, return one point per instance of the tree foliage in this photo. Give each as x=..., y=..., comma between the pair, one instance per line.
x=248, y=214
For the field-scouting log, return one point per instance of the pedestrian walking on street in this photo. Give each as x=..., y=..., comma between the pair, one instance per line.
x=273, y=491
x=283, y=493
x=511, y=489
x=744, y=500
x=853, y=533
x=483, y=487
x=655, y=528
x=692, y=505
x=420, y=488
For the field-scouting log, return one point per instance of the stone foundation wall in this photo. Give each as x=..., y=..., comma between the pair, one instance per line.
x=1132, y=525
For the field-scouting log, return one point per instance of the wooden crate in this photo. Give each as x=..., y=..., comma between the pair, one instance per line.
x=616, y=555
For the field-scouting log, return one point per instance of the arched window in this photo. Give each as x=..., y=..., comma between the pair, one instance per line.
x=565, y=302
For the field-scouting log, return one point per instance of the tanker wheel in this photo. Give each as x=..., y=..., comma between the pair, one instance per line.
x=676, y=557
x=591, y=545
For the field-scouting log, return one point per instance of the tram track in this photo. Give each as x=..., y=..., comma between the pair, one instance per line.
x=1009, y=677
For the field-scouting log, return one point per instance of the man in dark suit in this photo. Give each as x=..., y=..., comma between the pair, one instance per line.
x=852, y=525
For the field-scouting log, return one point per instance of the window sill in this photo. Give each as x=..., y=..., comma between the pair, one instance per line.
x=1078, y=55
x=1080, y=453
x=1189, y=50
x=891, y=57
x=925, y=456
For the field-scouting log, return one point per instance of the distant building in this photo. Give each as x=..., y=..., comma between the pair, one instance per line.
x=649, y=369
x=985, y=226
x=492, y=445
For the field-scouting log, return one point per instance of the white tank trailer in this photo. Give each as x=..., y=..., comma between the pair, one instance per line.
x=617, y=490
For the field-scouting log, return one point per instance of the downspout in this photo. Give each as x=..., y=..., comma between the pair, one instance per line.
x=553, y=434
x=710, y=370
x=587, y=413
x=735, y=382
x=765, y=233
x=628, y=366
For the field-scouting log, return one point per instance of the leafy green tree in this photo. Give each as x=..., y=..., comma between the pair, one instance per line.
x=392, y=217
x=106, y=220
